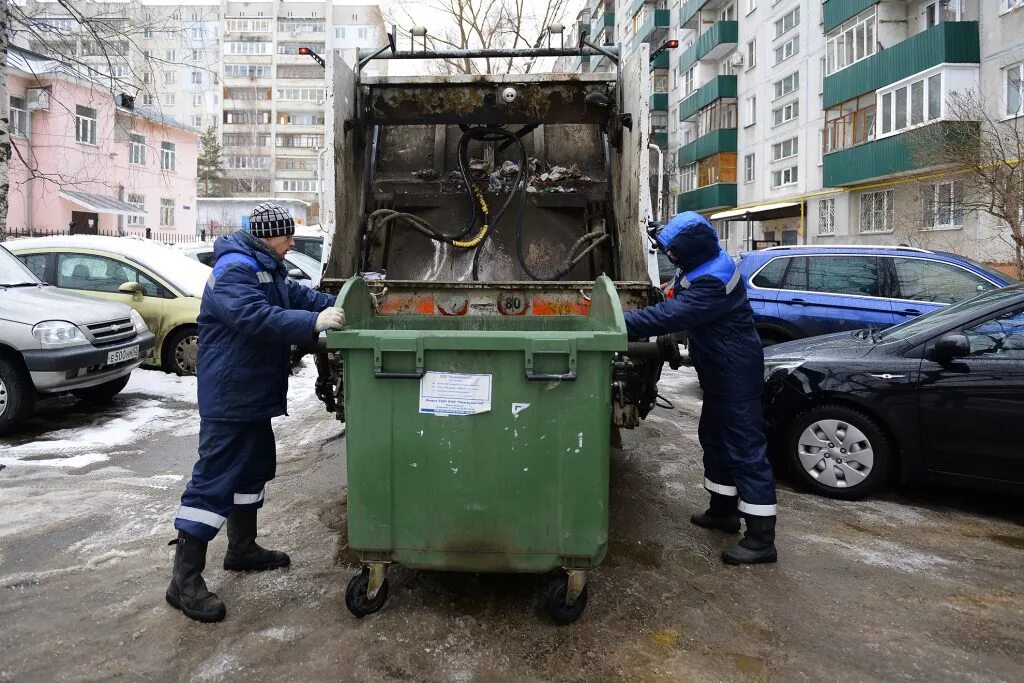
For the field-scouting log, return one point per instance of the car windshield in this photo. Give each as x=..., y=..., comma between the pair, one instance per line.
x=940, y=316
x=997, y=274
x=13, y=273
x=308, y=264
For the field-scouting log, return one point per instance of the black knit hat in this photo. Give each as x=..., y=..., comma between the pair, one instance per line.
x=271, y=220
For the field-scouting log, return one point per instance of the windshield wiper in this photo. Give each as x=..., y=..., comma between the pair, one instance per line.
x=18, y=284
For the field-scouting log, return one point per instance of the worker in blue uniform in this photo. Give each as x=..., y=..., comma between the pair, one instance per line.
x=250, y=316
x=710, y=304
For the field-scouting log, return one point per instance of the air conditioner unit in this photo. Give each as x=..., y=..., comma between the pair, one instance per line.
x=736, y=59
x=38, y=99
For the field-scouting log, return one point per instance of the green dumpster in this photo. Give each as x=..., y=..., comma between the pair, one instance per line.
x=478, y=443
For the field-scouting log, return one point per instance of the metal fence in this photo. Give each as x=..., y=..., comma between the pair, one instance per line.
x=146, y=233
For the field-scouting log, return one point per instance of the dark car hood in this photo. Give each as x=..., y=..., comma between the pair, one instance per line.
x=838, y=345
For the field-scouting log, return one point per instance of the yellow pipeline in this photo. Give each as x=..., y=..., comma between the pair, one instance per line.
x=483, y=231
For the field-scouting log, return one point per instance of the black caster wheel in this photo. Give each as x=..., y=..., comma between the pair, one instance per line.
x=355, y=595
x=554, y=602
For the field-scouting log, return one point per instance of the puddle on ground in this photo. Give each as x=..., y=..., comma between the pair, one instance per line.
x=667, y=639
x=749, y=666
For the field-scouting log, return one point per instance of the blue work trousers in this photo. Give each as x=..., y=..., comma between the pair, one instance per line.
x=731, y=432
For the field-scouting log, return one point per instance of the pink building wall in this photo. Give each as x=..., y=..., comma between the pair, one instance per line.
x=103, y=169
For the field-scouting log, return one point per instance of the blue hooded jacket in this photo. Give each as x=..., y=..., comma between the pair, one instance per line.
x=250, y=316
x=711, y=304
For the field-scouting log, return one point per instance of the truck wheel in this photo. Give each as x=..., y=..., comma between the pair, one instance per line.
x=554, y=602
x=17, y=395
x=355, y=595
x=102, y=393
x=181, y=351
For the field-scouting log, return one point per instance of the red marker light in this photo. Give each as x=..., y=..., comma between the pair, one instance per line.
x=672, y=44
x=305, y=50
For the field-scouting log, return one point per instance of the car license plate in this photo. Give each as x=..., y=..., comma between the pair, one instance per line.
x=121, y=355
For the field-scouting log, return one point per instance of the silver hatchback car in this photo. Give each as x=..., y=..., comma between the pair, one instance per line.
x=53, y=341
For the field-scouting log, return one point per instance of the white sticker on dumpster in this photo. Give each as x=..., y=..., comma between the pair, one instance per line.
x=449, y=393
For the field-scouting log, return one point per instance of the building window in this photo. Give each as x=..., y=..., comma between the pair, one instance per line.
x=787, y=85
x=147, y=77
x=787, y=22
x=197, y=99
x=786, y=112
x=197, y=77
x=197, y=121
x=85, y=125
x=301, y=94
x=941, y=10
x=246, y=71
x=167, y=156
x=169, y=99
x=787, y=49
x=851, y=42
x=147, y=99
x=827, y=217
x=139, y=202
x=246, y=139
x=752, y=54
x=339, y=33
x=751, y=110
x=248, y=25
x=248, y=162
x=1010, y=5
x=136, y=149
x=851, y=123
x=784, y=176
x=300, y=140
x=688, y=81
x=943, y=205
x=118, y=70
x=19, y=117
x=248, y=47
x=195, y=55
x=166, y=212
x=249, y=116
x=363, y=33
x=785, y=149
x=911, y=104
x=717, y=115
x=170, y=56
x=293, y=185
x=748, y=168
x=717, y=168
x=169, y=78
x=877, y=211
x=1015, y=90
x=751, y=5
x=688, y=178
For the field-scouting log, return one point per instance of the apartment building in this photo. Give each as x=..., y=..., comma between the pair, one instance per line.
x=799, y=121
x=232, y=65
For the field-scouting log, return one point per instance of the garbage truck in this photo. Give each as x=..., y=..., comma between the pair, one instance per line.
x=487, y=231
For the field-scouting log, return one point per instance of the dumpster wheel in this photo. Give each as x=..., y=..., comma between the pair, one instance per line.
x=556, y=598
x=356, y=598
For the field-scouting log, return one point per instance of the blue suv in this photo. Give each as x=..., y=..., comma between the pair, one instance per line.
x=805, y=291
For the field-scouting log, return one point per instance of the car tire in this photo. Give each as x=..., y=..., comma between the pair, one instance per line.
x=17, y=395
x=102, y=393
x=181, y=351
x=838, y=452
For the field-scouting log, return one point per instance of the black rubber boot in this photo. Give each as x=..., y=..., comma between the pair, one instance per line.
x=244, y=555
x=757, y=545
x=188, y=591
x=721, y=516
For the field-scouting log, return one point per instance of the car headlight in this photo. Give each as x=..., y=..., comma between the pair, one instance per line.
x=56, y=333
x=140, y=322
x=780, y=367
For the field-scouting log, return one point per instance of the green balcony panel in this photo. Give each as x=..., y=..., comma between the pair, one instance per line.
x=648, y=29
x=716, y=88
x=704, y=199
x=659, y=101
x=662, y=18
x=721, y=37
x=949, y=42
x=661, y=139
x=661, y=61
x=609, y=19
x=837, y=11
x=886, y=157
x=688, y=12
x=716, y=141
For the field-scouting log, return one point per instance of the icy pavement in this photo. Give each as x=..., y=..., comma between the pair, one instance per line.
x=913, y=585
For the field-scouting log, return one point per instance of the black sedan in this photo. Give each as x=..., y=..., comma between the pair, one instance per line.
x=939, y=398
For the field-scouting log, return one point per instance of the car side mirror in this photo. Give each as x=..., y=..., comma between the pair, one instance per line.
x=133, y=288
x=297, y=274
x=952, y=345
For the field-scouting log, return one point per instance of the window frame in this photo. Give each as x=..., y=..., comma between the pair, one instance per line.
x=136, y=149
x=837, y=39
x=779, y=86
x=166, y=212
x=897, y=289
x=779, y=25
x=168, y=156
x=888, y=212
x=19, y=118
x=86, y=125
x=780, y=50
x=827, y=217
x=794, y=109
x=787, y=176
x=1019, y=68
x=780, y=146
x=133, y=199
x=932, y=206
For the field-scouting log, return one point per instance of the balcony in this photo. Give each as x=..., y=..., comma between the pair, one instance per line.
x=708, y=198
x=722, y=140
x=715, y=89
x=836, y=12
x=655, y=24
x=953, y=42
x=661, y=61
x=713, y=44
x=884, y=157
x=659, y=101
x=689, y=12
x=661, y=138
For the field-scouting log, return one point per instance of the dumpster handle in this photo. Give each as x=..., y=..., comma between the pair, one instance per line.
x=380, y=374
x=567, y=377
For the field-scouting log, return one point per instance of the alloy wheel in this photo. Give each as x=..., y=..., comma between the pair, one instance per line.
x=4, y=399
x=836, y=453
